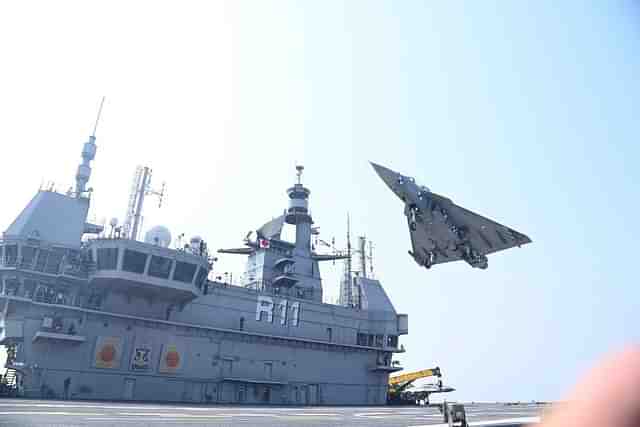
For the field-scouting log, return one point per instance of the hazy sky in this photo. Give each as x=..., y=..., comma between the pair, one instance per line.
x=524, y=112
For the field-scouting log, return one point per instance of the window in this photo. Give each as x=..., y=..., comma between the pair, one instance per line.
x=268, y=370
x=134, y=261
x=11, y=286
x=28, y=256
x=184, y=272
x=30, y=286
x=227, y=368
x=392, y=341
x=379, y=340
x=361, y=339
x=108, y=259
x=53, y=261
x=329, y=334
x=242, y=323
x=202, y=277
x=41, y=261
x=370, y=340
x=11, y=254
x=160, y=267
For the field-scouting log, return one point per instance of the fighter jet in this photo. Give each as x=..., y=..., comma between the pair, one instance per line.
x=442, y=231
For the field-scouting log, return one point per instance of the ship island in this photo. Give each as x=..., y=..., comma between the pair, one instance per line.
x=97, y=311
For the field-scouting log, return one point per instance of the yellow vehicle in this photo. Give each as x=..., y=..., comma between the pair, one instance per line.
x=402, y=392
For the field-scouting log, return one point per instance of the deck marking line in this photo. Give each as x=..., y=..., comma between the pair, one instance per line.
x=170, y=415
x=153, y=420
x=317, y=414
x=79, y=414
x=522, y=420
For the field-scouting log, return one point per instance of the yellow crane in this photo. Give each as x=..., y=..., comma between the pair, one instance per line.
x=398, y=387
x=409, y=378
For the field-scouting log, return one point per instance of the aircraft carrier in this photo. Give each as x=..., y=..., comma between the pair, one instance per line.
x=93, y=311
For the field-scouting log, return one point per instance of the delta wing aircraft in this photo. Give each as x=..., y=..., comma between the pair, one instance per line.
x=442, y=231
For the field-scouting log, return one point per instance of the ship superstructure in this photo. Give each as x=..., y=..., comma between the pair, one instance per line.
x=91, y=313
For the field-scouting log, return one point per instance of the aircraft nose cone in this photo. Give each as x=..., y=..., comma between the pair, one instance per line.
x=387, y=175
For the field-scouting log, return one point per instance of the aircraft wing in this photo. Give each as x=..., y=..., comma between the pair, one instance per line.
x=486, y=235
x=443, y=232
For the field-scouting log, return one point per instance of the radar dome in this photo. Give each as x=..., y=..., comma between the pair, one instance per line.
x=158, y=235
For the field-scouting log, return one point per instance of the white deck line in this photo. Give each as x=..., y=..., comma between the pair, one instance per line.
x=499, y=422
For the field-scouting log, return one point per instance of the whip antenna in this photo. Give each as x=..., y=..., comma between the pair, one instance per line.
x=98, y=118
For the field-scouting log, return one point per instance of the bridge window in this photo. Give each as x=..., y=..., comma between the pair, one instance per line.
x=202, y=276
x=107, y=259
x=184, y=272
x=160, y=267
x=134, y=261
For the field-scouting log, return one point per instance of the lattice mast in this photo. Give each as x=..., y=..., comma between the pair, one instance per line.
x=140, y=187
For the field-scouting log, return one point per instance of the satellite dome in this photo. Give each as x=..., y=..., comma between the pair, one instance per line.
x=113, y=222
x=158, y=235
x=195, y=240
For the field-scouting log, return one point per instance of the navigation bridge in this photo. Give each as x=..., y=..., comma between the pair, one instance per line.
x=148, y=270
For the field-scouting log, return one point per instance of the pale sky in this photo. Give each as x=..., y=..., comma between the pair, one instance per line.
x=523, y=112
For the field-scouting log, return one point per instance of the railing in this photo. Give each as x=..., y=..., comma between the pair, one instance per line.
x=8, y=261
x=203, y=253
x=267, y=287
x=61, y=325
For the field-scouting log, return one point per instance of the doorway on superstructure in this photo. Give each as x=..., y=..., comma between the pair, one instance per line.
x=312, y=394
x=265, y=395
x=129, y=388
x=211, y=393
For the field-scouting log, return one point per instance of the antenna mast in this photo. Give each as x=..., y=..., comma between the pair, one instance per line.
x=371, y=260
x=140, y=187
x=362, y=250
x=95, y=127
x=346, y=287
x=88, y=154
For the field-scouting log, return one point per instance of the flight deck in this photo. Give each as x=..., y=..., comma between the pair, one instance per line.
x=22, y=412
